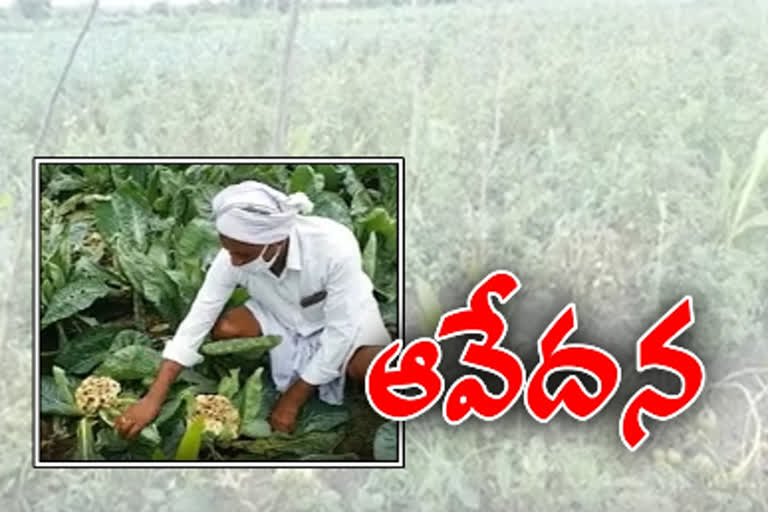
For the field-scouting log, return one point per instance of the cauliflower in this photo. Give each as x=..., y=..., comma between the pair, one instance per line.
x=221, y=418
x=95, y=393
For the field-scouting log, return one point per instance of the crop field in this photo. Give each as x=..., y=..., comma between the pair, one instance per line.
x=608, y=153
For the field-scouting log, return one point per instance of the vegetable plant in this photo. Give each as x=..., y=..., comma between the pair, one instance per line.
x=125, y=249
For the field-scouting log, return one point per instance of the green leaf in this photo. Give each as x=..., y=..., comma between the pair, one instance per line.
x=132, y=362
x=369, y=256
x=385, y=442
x=73, y=298
x=282, y=446
x=151, y=434
x=108, y=440
x=169, y=409
x=201, y=383
x=139, y=177
x=252, y=423
x=52, y=402
x=387, y=188
x=151, y=280
x=64, y=182
x=305, y=179
x=106, y=221
x=198, y=240
x=85, y=351
x=239, y=297
x=332, y=176
x=114, y=447
x=332, y=206
x=162, y=204
x=97, y=175
x=70, y=204
x=128, y=337
x=256, y=429
x=181, y=208
x=202, y=199
x=188, y=285
x=85, y=268
x=254, y=348
x=171, y=422
x=378, y=220
x=170, y=181
x=189, y=446
x=269, y=396
x=62, y=385
x=229, y=385
x=361, y=197
x=189, y=400
x=56, y=275
x=133, y=214
x=385, y=285
x=172, y=432
x=88, y=320
x=352, y=182
x=361, y=203
x=158, y=253
x=318, y=416
x=85, y=450
x=88, y=350
x=389, y=313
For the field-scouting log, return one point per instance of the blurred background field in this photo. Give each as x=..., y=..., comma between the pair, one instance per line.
x=611, y=153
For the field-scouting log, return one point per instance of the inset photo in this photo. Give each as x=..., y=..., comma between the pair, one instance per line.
x=215, y=312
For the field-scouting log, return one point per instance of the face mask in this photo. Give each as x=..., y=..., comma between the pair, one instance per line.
x=259, y=264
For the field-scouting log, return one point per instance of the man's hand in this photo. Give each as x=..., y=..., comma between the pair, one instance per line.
x=137, y=416
x=284, y=415
x=286, y=410
x=141, y=414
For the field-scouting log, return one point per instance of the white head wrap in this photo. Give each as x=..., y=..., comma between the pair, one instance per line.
x=256, y=213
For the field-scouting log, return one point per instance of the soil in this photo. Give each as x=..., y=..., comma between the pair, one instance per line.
x=53, y=448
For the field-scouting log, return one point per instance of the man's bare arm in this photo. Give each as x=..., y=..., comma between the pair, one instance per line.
x=286, y=411
x=166, y=376
x=298, y=393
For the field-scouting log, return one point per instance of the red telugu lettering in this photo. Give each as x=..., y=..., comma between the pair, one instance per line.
x=469, y=394
x=416, y=368
x=570, y=395
x=654, y=351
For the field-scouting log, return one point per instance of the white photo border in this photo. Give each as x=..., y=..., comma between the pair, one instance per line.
x=37, y=161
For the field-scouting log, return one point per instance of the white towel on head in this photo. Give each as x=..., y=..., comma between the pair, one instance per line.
x=256, y=213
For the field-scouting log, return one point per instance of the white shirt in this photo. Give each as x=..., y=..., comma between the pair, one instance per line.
x=322, y=255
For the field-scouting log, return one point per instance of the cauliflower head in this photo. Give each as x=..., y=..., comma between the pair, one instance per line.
x=220, y=416
x=95, y=393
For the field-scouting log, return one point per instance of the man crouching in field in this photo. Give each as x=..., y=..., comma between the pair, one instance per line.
x=306, y=284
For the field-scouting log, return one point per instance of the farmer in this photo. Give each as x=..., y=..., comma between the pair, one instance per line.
x=306, y=284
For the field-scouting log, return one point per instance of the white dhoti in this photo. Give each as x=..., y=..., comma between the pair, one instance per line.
x=291, y=356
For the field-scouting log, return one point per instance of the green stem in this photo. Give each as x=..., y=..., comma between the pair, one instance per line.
x=63, y=340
